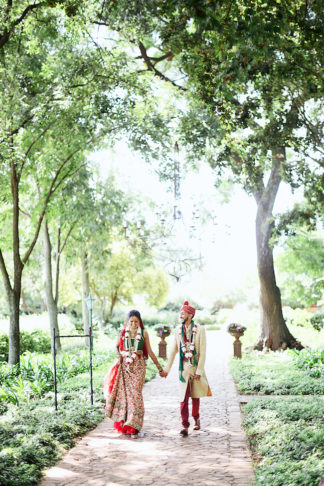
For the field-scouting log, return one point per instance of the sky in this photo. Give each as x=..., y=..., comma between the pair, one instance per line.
x=227, y=248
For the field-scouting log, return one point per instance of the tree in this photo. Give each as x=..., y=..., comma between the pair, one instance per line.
x=99, y=217
x=64, y=216
x=251, y=70
x=59, y=98
x=124, y=273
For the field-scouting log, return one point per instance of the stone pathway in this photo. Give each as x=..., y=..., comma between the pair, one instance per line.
x=217, y=455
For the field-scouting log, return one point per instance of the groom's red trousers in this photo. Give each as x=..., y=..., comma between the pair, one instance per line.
x=184, y=408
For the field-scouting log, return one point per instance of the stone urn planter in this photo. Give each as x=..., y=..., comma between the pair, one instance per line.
x=163, y=332
x=236, y=330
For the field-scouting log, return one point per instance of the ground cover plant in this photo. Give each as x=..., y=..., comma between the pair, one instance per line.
x=32, y=435
x=277, y=374
x=287, y=440
x=286, y=435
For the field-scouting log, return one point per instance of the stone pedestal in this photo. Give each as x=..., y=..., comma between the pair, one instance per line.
x=237, y=345
x=162, y=348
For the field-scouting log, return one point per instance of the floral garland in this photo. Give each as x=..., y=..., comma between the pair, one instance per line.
x=130, y=353
x=187, y=348
x=188, y=353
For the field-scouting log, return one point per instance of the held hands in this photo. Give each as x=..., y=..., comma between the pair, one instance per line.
x=197, y=377
x=163, y=374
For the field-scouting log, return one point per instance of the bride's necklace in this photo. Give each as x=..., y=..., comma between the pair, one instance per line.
x=131, y=352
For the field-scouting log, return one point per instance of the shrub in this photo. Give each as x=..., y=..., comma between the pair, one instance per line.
x=317, y=321
x=34, y=376
x=4, y=347
x=310, y=360
x=34, y=342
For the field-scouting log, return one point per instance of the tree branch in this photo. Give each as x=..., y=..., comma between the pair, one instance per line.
x=5, y=274
x=151, y=67
x=7, y=32
x=67, y=236
x=271, y=189
x=51, y=190
x=38, y=138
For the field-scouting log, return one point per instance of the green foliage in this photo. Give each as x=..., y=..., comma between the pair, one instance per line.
x=124, y=269
x=32, y=435
x=34, y=342
x=34, y=377
x=286, y=435
x=317, y=321
x=311, y=360
x=301, y=268
x=274, y=374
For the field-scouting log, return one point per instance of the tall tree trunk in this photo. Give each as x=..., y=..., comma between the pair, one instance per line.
x=13, y=294
x=24, y=303
x=274, y=332
x=85, y=294
x=113, y=302
x=51, y=301
x=14, y=327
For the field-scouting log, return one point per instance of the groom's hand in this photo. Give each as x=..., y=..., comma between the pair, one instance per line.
x=163, y=374
x=197, y=377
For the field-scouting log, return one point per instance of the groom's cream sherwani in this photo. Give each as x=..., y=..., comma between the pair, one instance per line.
x=198, y=388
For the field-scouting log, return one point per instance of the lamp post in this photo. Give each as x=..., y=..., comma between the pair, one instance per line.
x=90, y=300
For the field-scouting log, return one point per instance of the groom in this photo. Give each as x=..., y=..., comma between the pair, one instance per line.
x=190, y=342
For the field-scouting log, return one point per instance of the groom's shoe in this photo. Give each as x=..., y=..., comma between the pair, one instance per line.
x=184, y=432
x=197, y=424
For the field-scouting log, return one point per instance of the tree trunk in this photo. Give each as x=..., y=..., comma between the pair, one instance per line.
x=50, y=299
x=274, y=332
x=14, y=328
x=13, y=294
x=24, y=303
x=85, y=294
x=113, y=302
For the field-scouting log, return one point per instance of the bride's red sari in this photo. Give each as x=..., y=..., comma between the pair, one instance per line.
x=123, y=386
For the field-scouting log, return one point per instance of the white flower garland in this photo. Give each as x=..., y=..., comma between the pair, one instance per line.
x=188, y=353
x=127, y=353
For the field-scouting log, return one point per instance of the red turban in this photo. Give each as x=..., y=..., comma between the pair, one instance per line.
x=186, y=307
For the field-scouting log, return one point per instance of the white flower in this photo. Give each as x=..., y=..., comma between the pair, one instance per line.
x=138, y=337
x=128, y=360
x=133, y=355
x=192, y=347
x=126, y=335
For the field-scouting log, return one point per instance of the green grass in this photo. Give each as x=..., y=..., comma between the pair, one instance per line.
x=287, y=440
x=273, y=374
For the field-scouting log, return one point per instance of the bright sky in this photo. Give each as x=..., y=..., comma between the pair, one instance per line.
x=228, y=249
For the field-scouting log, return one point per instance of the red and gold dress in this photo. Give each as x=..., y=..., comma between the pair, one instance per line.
x=123, y=389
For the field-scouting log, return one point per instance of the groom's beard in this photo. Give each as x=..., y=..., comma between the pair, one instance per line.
x=184, y=320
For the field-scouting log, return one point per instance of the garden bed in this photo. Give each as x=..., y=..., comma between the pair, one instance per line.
x=32, y=435
x=286, y=433
x=286, y=438
x=275, y=374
